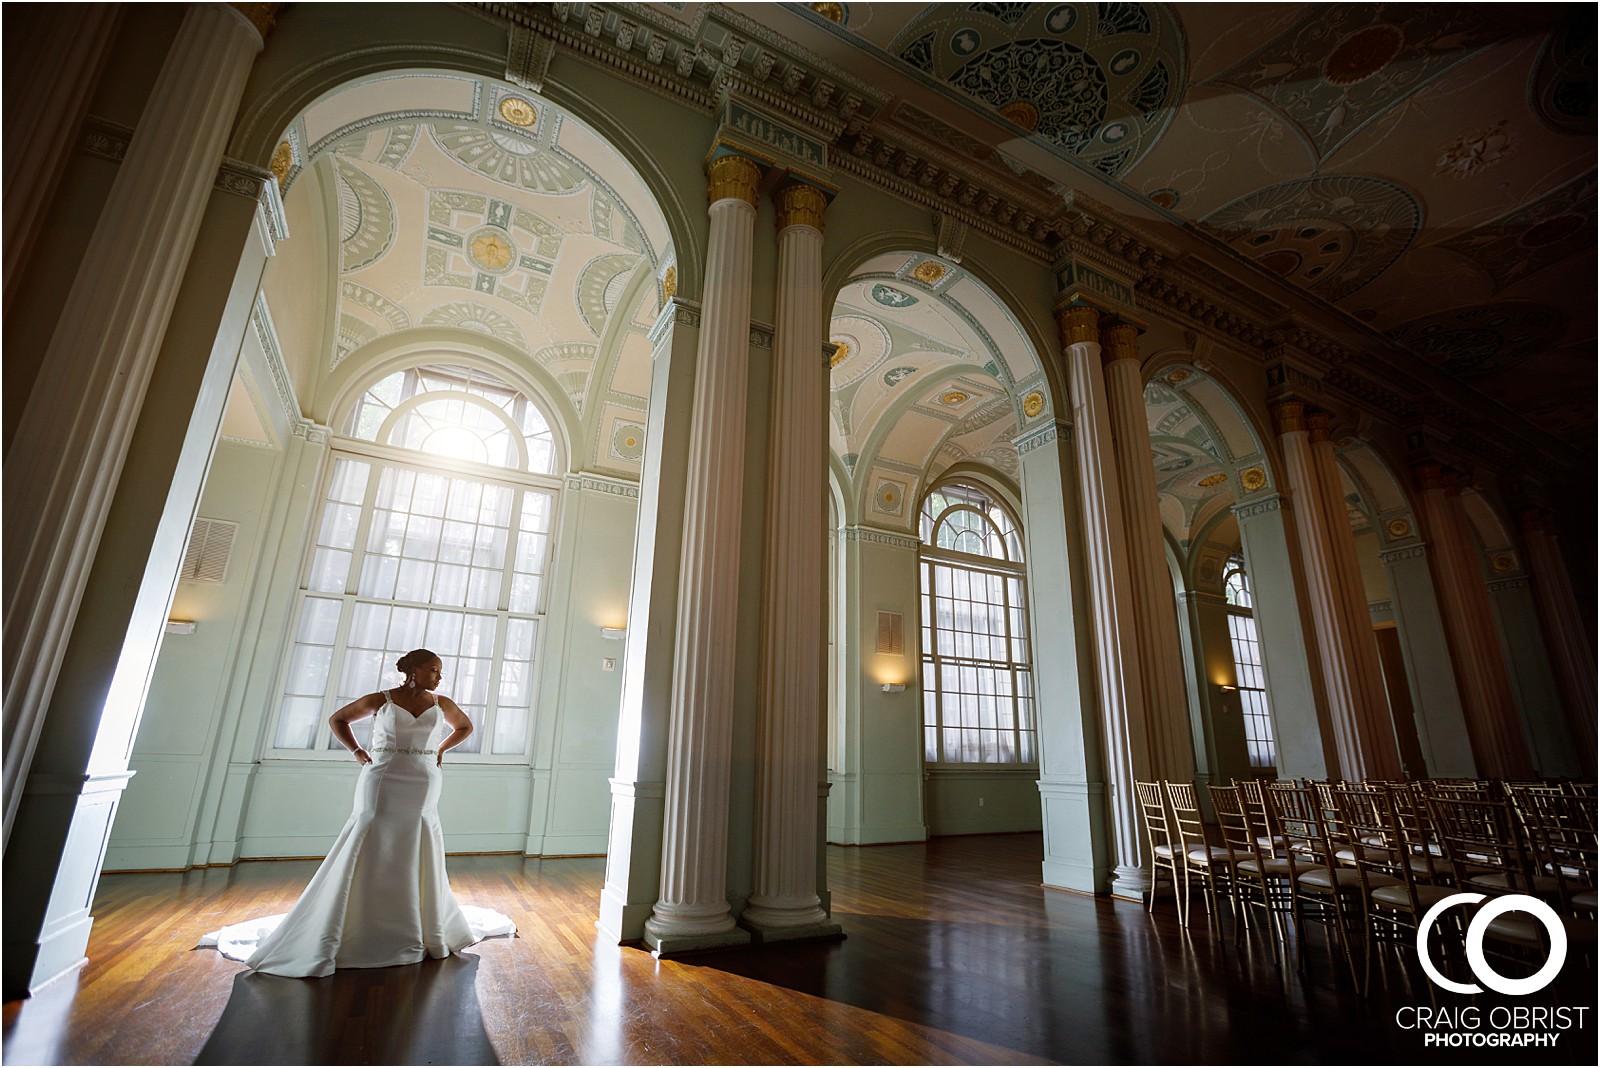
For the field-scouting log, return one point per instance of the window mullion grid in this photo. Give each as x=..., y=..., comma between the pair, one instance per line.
x=341, y=638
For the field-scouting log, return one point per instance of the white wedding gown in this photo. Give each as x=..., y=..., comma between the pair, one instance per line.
x=381, y=897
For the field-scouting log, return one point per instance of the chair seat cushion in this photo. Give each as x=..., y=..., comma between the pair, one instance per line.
x=1544, y=884
x=1585, y=899
x=1524, y=930
x=1163, y=850
x=1344, y=878
x=1348, y=854
x=1395, y=897
x=1212, y=855
x=1269, y=866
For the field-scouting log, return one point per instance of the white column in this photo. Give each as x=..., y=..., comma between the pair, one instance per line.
x=93, y=375
x=1155, y=612
x=784, y=903
x=1374, y=723
x=1441, y=723
x=63, y=64
x=1565, y=634
x=1117, y=670
x=1498, y=746
x=692, y=911
x=1328, y=618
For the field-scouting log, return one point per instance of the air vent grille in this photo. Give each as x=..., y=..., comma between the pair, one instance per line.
x=210, y=547
x=891, y=634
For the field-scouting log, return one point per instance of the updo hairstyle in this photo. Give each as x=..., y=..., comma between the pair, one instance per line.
x=413, y=660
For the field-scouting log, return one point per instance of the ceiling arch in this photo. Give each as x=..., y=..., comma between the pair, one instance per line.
x=475, y=209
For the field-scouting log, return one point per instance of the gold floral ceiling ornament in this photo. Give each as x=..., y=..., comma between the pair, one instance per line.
x=831, y=12
x=518, y=112
x=1022, y=113
x=282, y=160
x=1178, y=376
x=928, y=272
x=1252, y=479
x=491, y=252
x=1398, y=528
x=1503, y=562
x=1033, y=404
x=955, y=398
x=669, y=284
x=1212, y=480
x=841, y=352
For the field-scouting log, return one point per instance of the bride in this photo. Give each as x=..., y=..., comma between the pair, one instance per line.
x=381, y=897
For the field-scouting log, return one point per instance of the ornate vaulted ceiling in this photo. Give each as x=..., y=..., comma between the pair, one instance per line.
x=1426, y=170
x=471, y=208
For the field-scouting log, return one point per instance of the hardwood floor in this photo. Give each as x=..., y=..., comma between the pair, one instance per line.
x=955, y=955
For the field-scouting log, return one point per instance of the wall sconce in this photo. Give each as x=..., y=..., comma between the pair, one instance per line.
x=180, y=626
x=894, y=687
x=616, y=634
x=1226, y=687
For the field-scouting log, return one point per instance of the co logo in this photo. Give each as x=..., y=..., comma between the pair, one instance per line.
x=1480, y=966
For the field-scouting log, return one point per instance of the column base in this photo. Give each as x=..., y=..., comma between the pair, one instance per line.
x=670, y=945
x=1131, y=884
x=768, y=933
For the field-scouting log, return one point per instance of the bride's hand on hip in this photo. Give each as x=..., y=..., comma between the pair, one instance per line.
x=363, y=757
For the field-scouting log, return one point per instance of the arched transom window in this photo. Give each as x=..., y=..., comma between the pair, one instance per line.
x=434, y=531
x=977, y=674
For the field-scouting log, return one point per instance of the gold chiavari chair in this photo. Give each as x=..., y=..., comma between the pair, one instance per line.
x=1211, y=865
x=1163, y=855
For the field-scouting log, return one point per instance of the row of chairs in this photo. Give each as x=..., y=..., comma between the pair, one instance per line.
x=1367, y=860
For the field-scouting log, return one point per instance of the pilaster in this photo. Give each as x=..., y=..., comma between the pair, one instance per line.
x=1565, y=633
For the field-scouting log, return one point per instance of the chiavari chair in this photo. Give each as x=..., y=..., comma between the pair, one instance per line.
x=1210, y=865
x=1163, y=854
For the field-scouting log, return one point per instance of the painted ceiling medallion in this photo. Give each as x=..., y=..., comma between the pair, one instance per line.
x=841, y=352
x=955, y=398
x=1399, y=528
x=1252, y=479
x=892, y=298
x=518, y=112
x=1212, y=480
x=1468, y=155
x=1533, y=236
x=1098, y=80
x=1503, y=562
x=1180, y=375
x=1033, y=404
x=491, y=250
x=1482, y=339
x=928, y=272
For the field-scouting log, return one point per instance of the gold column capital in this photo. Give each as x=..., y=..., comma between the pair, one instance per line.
x=1288, y=417
x=1119, y=341
x=1079, y=323
x=800, y=204
x=732, y=177
x=262, y=16
x=1317, y=422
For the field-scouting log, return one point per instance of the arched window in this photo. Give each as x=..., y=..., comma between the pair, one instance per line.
x=977, y=674
x=434, y=531
x=1249, y=678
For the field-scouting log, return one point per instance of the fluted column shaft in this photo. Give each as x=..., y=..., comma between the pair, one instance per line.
x=1498, y=746
x=1374, y=721
x=1565, y=634
x=1117, y=667
x=92, y=378
x=784, y=895
x=1322, y=591
x=694, y=861
x=1155, y=610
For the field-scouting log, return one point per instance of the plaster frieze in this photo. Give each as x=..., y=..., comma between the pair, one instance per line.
x=267, y=338
x=104, y=139
x=876, y=536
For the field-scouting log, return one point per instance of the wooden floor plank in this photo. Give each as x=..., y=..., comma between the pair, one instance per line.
x=955, y=955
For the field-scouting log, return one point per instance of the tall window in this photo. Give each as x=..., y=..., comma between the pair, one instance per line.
x=434, y=531
x=1250, y=680
x=977, y=675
